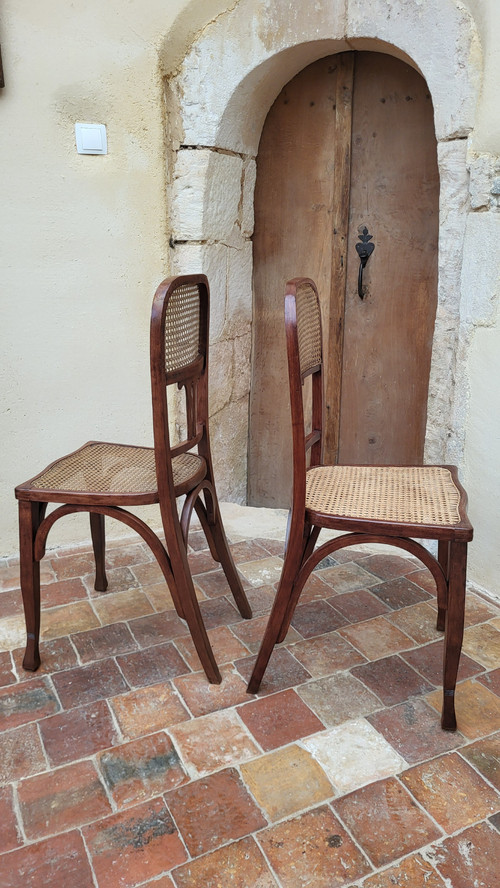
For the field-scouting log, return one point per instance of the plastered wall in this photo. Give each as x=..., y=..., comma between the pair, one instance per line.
x=85, y=240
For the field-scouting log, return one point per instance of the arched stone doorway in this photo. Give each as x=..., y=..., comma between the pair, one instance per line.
x=217, y=101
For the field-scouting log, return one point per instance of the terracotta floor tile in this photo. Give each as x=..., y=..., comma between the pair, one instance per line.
x=491, y=680
x=451, y=792
x=107, y=641
x=251, y=632
x=283, y=671
x=197, y=539
x=286, y=781
x=10, y=834
x=315, y=589
x=214, y=810
x=7, y=675
x=428, y=660
x=120, y=579
x=62, y=592
x=214, y=741
x=76, y=617
x=56, y=655
x=317, y=618
x=219, y=612
x=248, y=550
x=160, y=597
x=21, y=753
x=400, y=592
x=61, y=860
x=391, y=679
x=360, y=605
x=75, y=565
x=274, y=547
x=477, y=610
x=85, y=684
x=133, y=846
x=470, y=858
x=279, y=719
x=128, y=555
x=354, y=754
x=262, y=572
x=388, y=566
x=122, y=606
x=239, y=865
x=353, y=553
x=414, y=731
x=201, y=562
x=213, y=584
x=201, y=697
x=78, y=733
x=477, y=709
x=338, y=697
x=413, y=872
x=157, y=628
x=376, y=638
x=482, y=642
x=485, y=756
x=326, y=654
x=313, y=845
x=158, y=663
x=417, y=621
x=12, y=632
x=401, y=827
x=148, y=710
x=225, y=645
x=141, y=769
x=261, y=599
x=11, y=602
x=147, y=574
x=347, y=577
x=27, y=702
x=59, y=800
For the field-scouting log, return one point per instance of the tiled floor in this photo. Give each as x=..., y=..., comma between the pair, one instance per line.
x=121, y=766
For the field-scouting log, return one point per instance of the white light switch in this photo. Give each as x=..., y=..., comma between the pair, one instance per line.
x=91, y=138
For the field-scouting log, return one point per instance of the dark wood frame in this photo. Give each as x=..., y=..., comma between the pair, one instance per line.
x=301, y=556
x=199, y=490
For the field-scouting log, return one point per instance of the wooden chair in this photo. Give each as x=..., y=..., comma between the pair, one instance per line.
x=101, y=478
x=375, y=504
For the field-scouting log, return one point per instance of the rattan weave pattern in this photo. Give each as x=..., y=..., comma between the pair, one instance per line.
x=413, y=494
x=111, y=468
x=308, y=327
x=182, y=327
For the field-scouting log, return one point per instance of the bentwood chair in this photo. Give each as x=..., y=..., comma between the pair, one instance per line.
x=102, y=478
x=395, y=505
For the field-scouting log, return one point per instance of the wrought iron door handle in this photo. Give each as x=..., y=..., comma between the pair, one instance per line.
x=364, y=251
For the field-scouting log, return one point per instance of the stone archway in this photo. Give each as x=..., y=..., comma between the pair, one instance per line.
x=217, y=100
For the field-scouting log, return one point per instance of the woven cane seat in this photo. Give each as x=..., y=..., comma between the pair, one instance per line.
x=400, y=494
x=112, y=468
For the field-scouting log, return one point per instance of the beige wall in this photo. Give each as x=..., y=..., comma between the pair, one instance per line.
x=84, y=240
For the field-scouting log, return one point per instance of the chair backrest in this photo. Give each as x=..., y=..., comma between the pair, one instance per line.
x=179, y=355
x=305, y=358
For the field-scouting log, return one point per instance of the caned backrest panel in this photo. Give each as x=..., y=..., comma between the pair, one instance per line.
x=182, y=327
x=308, y=327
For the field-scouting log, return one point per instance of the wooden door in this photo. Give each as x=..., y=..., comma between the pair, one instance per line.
x=349, y=144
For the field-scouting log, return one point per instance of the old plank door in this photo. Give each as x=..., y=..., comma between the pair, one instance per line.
x=348, y=144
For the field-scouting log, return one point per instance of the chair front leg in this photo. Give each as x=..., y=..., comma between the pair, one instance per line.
x=444, y=560
x=454, y=631
x=211, y=522
x=97, y=531
x=30, y=516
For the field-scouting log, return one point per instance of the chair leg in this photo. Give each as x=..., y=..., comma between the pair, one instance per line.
x=211, y=522
x=284, y=605
x=30, y=516
x=99, y=543
x=454, y=631
x=444, y=560
x=309, y=540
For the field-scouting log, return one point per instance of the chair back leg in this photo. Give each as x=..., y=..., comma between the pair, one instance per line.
x=97, y=532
